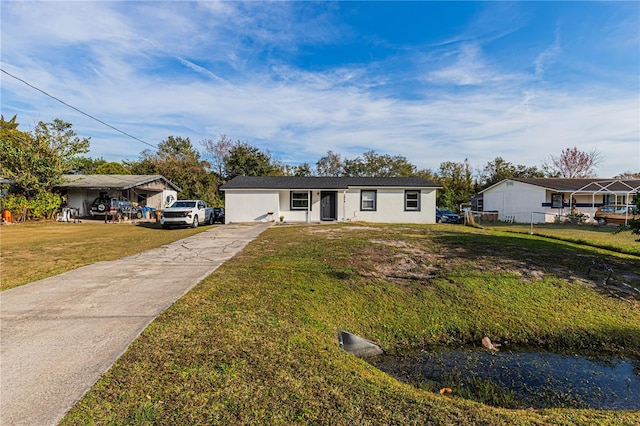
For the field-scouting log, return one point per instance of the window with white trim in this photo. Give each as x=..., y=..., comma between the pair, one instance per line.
x=299, y=200
x=412, y=200
x=368, y=199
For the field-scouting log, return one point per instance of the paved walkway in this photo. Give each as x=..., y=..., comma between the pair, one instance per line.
x=60, y=334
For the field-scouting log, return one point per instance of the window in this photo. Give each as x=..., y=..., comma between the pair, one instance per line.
x=556, y=201
x=412, y=200
x=368, y=200
x=299, y=200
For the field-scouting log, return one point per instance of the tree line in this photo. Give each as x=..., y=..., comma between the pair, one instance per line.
x=36, y=160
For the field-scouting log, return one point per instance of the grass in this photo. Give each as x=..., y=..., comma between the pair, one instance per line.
x=36, y=250
x=587, y=234
x=255, y=342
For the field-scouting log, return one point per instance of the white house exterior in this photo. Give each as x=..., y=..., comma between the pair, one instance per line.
x=315, y=199
x=541, y=200
x=147, y=190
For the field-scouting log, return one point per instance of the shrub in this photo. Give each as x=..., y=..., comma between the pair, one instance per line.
x=43, y=206
x=15, y=203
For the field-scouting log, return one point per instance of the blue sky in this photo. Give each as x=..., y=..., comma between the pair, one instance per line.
x=432, y=81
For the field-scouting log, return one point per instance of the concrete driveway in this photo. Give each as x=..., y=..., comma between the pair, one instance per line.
x=60, y=334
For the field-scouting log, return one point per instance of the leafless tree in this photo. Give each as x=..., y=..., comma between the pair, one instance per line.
x=573, y=163
x=218, y=153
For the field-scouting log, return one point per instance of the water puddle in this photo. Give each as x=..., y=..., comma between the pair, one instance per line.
x=521, y=379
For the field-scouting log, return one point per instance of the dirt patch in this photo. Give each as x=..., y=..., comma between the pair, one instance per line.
x=413, y=264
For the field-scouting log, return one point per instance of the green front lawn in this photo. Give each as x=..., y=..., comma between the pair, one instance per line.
x=256, y=342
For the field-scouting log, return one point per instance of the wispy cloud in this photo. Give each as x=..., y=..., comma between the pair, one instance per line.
x=199, y=69
x=547, y=57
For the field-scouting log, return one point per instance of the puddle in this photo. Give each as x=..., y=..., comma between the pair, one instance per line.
x=521, y=379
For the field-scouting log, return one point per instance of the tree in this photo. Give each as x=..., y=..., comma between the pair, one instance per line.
x=330, y=165
x=111, y=168
x=633, y=224
x=303, y=169
x=36, y=161
x=457, y=184
x=376, y=165
x=499, y=169
x=218, y=153
x=87, y=165
x=628, y=175
x=573, y=163
x=177, y=160
x=247, y=160
x=427, y=174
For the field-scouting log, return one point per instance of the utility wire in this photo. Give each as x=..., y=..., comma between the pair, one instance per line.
x=81, y=112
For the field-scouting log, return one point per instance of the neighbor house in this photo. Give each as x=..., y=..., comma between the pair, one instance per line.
x=147, y=190
x=307, y=199
x=541, y=200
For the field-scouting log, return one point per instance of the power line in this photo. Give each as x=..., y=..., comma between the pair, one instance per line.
x=74, y=108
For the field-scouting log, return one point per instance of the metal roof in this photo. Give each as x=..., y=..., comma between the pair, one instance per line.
x=318, y=182
x=119, y=182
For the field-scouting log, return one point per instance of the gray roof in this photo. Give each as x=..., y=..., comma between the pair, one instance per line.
x=119, y=182
x=311, y=183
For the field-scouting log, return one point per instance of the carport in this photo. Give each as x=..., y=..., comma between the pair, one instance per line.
x=618, y=191
x=153, y=191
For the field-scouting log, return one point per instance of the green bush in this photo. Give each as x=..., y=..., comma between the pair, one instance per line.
x=16, y=204
x=43, y=206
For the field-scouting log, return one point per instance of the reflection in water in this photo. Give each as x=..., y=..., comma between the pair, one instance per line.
x=522, y=379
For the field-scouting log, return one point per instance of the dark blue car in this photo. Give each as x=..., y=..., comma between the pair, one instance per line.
x=447, y=216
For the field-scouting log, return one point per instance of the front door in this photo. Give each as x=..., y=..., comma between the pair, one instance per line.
x=328, y=205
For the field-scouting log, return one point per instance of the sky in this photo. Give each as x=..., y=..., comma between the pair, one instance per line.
x=430, y=81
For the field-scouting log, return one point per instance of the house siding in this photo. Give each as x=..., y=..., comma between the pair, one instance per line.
x=244, y=205
x=524, y=202
x=390, y=207
x=251, y=205
x=515, y=201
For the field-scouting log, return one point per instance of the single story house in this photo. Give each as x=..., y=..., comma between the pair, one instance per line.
x=307, y=199
x=541, y=200
x=146, y=190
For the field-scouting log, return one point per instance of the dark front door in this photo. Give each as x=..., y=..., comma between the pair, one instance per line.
x=328, y=205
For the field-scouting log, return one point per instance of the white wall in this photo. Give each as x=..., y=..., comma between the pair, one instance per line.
x=516, y=201
x=521, y=203
x=251, y=205
x=298, y=215
x=159, y=200
x=390, y=207
x=81, y=200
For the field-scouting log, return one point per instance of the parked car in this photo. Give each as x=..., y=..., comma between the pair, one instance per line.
x=186, y=213
x=615, y=214
x=104, y=205
x=218, y=214
x=447, y=216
